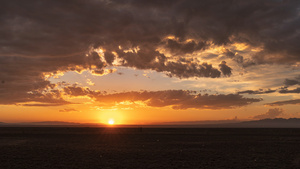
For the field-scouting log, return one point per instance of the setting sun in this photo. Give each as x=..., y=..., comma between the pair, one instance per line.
x=111, y=122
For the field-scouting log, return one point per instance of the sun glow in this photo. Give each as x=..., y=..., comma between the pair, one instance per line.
x=111, y=122
x=113, y=115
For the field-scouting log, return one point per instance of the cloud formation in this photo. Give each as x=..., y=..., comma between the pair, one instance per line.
x=67, y=110
x=177, y=99
x=280, y=103
x=226, y=70
x=292, y=82
x=285, y=90
x=260, y=91
x=184, y=47
x=50, y=36
x=24, y=79
x=270, y=114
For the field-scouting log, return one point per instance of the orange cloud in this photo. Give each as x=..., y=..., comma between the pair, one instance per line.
x=177, y=99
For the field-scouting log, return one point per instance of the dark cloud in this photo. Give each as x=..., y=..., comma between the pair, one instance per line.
x=289, y=82
x=292, y=82
x=187, y=70
x=280, y=103
x=270, y=114
x=109, y=57
x=285, y=90
x=24, y=82
x=177, y=99
x=229, y=53
x=49, y=36
x=79, y=91
x=260, y=91
x=244, y=62
x=25, y=77
x=56, y=28
x=44, y=104
x=146, y=58
x=226, y=70
x=184, y=47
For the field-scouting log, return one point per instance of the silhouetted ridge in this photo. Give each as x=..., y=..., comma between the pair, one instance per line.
x=276, y=123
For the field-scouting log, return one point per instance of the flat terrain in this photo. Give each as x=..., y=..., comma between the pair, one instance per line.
x=148, y=148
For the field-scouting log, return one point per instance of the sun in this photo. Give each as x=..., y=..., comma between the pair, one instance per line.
x=111, y=122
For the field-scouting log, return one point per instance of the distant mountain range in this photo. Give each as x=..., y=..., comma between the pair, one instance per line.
x=50, y=123
x=264, y=123
x=272, y=123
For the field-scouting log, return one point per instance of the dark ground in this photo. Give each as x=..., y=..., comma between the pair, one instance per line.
x=148, y=148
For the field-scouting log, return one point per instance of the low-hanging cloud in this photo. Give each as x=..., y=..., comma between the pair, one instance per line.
x=285, y=102
x=177, y=99
x=270, y=114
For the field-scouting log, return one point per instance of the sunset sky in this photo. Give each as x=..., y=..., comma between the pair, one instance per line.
x=145, y=62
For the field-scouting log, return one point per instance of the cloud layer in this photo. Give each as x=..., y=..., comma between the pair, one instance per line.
x=177, y=99
x=280, y=103
x=270, y=114
x=51, y=36
x=260, y=91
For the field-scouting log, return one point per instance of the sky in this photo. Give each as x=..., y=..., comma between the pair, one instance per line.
x=145, y=62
